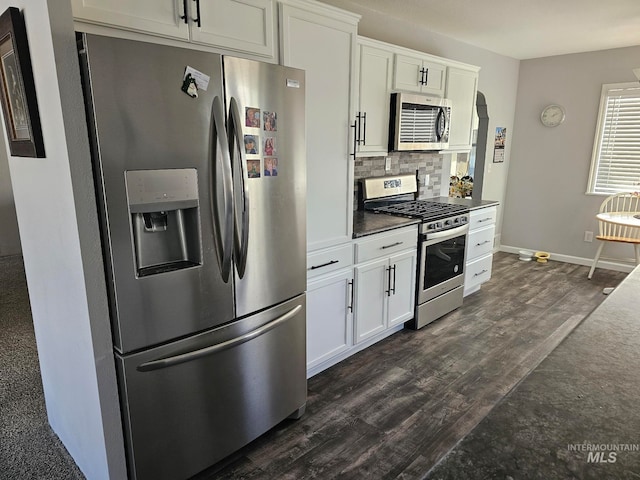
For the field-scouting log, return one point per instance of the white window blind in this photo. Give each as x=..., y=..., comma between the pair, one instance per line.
x=615, y=166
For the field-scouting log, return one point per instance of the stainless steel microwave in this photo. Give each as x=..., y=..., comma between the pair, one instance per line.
x=419, y=122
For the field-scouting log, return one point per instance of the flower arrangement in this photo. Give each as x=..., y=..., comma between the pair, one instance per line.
x=460, y=187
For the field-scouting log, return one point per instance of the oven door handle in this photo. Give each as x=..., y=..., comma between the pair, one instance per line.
x=452, y=232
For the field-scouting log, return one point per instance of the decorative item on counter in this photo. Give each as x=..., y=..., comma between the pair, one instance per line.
x=460, y=187
x=542, y=257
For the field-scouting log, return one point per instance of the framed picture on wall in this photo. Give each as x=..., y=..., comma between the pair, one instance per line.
x=18, y=93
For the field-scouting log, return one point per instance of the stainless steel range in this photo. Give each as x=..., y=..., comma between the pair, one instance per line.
x=441, y=243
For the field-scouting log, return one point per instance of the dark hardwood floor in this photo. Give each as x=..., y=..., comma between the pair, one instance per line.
x=395, y=409
x=391, y=411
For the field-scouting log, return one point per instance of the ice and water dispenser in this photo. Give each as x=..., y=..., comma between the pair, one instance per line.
x=163, y=207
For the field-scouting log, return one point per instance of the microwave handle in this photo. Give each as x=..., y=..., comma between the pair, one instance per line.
x=441, y=124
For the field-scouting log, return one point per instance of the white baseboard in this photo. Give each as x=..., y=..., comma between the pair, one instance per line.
x=607, y=264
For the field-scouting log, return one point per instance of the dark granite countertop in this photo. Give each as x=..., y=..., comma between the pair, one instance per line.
x=568, y=418
x=367, y=223
x=471, y=203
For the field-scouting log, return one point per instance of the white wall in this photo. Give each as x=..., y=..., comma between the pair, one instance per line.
x=546, y=207
x=498, y=81
x=9, y=236
x=56, y=214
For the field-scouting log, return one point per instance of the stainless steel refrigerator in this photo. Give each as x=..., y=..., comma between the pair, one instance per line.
x=200, y=178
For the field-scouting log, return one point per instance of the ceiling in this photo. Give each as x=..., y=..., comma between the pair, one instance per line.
x=520, y=29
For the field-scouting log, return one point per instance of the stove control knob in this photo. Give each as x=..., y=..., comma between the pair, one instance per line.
x=447, y=222
x=456, y=220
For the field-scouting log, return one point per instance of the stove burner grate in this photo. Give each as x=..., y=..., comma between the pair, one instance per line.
x=422, y=209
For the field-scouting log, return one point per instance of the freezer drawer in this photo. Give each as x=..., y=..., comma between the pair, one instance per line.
x=190, y=403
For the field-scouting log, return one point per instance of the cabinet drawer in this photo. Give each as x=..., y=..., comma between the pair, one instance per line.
x=385, y=244
x=478, y=271
x=482, y=217
x=480, y=242
x=329, y=260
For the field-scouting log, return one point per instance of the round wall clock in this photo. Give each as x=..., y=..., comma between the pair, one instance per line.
x=552, y=115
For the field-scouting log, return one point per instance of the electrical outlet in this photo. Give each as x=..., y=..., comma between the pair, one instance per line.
x=588, y=236
x=387, y=164
x=426, y=180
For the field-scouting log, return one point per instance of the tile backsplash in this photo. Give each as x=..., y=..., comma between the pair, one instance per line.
x=402, y=163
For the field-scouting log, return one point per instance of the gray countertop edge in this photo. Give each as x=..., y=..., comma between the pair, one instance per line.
x=367, y=223
x=471, y=203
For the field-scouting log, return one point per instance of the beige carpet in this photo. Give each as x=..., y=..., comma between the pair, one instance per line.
x=28, y=447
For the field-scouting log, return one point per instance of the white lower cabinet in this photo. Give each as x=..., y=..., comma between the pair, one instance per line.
x=482, y=227
x=371, y=291
x=385, y=282
x=401, y=300
x=329, y=318
x=350, y=308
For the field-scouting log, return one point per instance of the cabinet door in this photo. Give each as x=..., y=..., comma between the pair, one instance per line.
x=434, y=76
x=401, y=302
x=416, y=74
x=371, y=282
x=461, y=90
x=242, y=25
x=329, y=318
x=324, y=48
x=407, y=73
x=374, y=88
x=161, y=17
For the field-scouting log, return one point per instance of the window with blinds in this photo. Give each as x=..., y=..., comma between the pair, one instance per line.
x=615, y=165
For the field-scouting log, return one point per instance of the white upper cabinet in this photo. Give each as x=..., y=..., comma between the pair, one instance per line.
x=375, y=76
x=384, y=68
x=245, y=26
x=421, y=75
x=322, y=40
x=462, y=87
x=162, y=17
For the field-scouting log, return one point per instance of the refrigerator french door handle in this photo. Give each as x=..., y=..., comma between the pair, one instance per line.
x=223, y=228
x=241, y=238
x=218, y=347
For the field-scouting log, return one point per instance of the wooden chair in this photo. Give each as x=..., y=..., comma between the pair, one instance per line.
x=619, y=221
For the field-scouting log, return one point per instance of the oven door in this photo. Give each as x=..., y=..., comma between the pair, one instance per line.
x=442, y=257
